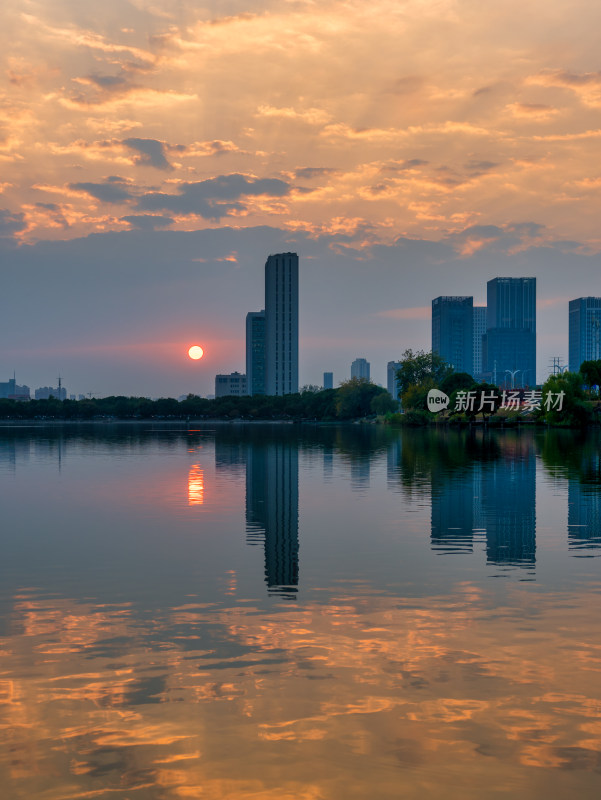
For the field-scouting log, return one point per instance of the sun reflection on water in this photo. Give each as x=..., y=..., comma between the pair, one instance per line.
x=196, y=485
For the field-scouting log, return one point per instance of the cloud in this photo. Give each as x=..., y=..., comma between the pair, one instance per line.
x=11, y=223
x=215, y=147
x=108, y=82
x=494, y=238
x=585, y=85
x=55, y=212
x=480, y=167
x=213, y=198
x=402, y=166
x=109, y=192
x=312, y=116
x=148, y=222
x=307, y=173
x=534, y=111
x=151, y=152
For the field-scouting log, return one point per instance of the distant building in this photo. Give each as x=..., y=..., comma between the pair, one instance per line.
x=255, y=352
x=479, y=331
x=392, y=383
x=328, y=380
x=453, y=331
x=585, y=331
x=10, y=390
x=233, y=384
x=46, y=392
x=281, y=324
x=360, y=368
x=509, y=344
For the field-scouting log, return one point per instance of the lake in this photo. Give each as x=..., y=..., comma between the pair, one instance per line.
x=297, y=612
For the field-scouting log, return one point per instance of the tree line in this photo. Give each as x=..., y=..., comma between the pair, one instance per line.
x=353, y=399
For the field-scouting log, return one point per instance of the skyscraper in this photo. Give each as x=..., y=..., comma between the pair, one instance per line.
x=255, y=352
x=509, y=344
x=585, y=331
x=453, y=331
x=479, y=331
x=281, y=324
x=392, y=383
x=360, y=368
x=328, y=380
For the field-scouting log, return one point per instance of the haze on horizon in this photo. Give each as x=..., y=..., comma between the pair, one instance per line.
x=153, y=154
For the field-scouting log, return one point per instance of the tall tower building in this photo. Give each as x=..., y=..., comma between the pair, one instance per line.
x=328, y=380
x=585, y=331
x=453, y=331
x=479, y=331
x=360, y=368
x=509, y=344
x=255, y=352
x=281, y=324
x=392, y=383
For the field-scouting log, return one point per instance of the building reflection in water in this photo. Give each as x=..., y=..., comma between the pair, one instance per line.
x=272, y=511
x=584, y=506
x=482, y=488
x=508, y=498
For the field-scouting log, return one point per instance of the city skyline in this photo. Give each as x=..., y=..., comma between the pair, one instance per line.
x=153, y=154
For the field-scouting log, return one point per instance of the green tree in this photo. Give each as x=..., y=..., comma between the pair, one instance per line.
x=591, y=372
x=420, y=367
x=383, y=403
x=456, y=381
x=566, y=391
x=353, y=398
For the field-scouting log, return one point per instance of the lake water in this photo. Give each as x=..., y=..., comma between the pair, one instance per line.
x=296, y=613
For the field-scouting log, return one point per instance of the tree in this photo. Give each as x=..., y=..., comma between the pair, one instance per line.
x=419, y=367
x=591, y=372
x=383, y=403
x=566, y=389
x=456, y=381
x=353, y=398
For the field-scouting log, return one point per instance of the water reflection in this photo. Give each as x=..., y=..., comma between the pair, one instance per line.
x=141, y=657
x=576, y=457
x=507, y=497
x=196, y=486
x=272, y=511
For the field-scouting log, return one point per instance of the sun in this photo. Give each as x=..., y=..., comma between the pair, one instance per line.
x=196, y=352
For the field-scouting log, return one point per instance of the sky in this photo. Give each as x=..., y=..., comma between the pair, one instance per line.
x=153, y=154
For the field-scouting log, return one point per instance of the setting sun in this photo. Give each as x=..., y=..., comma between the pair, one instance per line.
x=196, y=352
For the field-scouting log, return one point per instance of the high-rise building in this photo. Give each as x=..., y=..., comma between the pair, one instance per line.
x=509, y=344
x=233, y=384
x=328, y=380
x=10, y=390
x=360, y=368
x=585, y=331
x=255, y=352
x=453, y=331
x=281, y=324
x=392, y=383
x=479, y=331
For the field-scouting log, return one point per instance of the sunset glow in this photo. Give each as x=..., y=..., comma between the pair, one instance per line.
x=205, y=137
